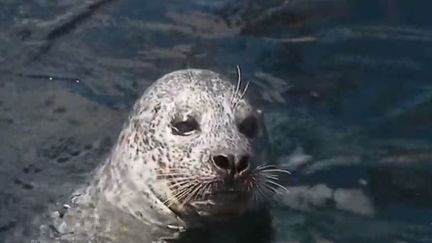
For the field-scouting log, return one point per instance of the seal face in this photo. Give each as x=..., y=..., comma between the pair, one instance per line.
x=184, y=157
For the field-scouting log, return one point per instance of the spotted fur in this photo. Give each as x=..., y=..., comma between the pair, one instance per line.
x=134, y=196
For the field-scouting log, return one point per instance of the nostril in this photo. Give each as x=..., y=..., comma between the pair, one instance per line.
x=242, y=164
x=221, y=162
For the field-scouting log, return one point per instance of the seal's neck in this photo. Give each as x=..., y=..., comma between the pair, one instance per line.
x=117, y=186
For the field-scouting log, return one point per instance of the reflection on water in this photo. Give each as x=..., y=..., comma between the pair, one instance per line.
x=347, y=82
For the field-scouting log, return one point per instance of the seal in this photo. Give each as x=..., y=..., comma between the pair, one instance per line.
x=185, y=159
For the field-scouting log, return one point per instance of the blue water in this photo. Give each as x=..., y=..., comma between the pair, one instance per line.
x=347, y=81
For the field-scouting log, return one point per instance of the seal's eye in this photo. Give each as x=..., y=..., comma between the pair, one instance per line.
x=184, y=128
x=249, y=126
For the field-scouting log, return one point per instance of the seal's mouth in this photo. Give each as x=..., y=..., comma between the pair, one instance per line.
x=217, y=197
x=223, y=204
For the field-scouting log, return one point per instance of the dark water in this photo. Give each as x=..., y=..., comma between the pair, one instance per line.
x=347, y=81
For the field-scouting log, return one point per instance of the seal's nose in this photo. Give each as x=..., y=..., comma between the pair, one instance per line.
x=230, y=165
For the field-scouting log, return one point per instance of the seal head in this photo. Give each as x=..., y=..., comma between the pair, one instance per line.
x=189, y=143
x=184, y=157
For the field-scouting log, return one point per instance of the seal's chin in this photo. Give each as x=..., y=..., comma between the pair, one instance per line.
x=222, y=205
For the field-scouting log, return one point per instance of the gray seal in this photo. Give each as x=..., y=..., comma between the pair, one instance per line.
x=184, y=160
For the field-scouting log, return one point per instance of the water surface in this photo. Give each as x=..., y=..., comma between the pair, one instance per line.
x=346, y=81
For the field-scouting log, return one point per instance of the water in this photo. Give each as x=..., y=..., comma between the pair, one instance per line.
x=347, y=81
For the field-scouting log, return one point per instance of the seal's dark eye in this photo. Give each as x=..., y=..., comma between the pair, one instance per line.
x=184, y=128
x=249, y=126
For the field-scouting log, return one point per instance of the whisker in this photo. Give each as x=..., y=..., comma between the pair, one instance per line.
x=179, y=184
x=206, y=189
x=176, y=176
x=265, y=165
x=271, y=168
x=256, y=197
x=183, y=194
x=197, y=193
x=236, y=89
x=277, y=170
x=245, y=90
x=179, y=188
x=182, y=178
x=277, y=185
x=260, y=191
x=238, y=80
x=234, y=98
x=267, y=191
x=270, y=176
x=263, y=194
x=251, y=183
x=266, y=185
x=269, y=188
x=172, y=174
x=201, y=191
x=175, y=195
x=191, y=193
x=189, y=73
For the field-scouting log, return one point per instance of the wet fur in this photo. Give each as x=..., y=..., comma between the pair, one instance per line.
x=148, y=188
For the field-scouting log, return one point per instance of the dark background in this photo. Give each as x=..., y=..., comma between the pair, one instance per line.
x=348, y=81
